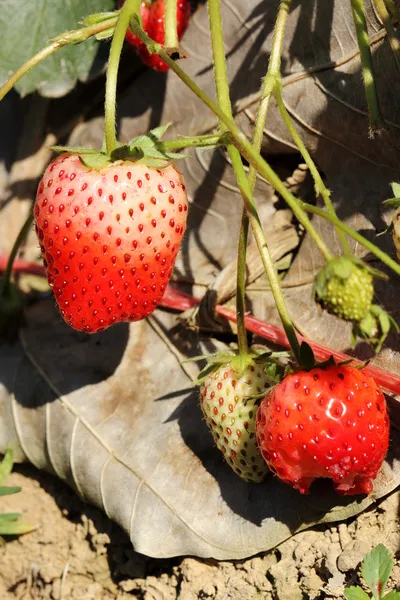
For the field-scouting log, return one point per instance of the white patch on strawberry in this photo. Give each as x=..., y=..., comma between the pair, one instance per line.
x=229, y=404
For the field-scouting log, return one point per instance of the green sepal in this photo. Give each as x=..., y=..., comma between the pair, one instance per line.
x=97, y=18
x=95, y=161
x=392, y=595
x=374, y=327
x=392, y=202
x=376, y=568
x=306, y=358
x=74, y=150
x=355, y=593
x=396, y=189
x=124, y=152
x=105, y=35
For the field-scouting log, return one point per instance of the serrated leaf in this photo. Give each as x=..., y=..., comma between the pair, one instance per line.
x=6, y=466
x=355, y=593
x=392, y=595
x=26, y=27
x=376, y=569
x=7, y=490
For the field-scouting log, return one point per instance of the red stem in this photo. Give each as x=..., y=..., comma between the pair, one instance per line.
x=177, y=300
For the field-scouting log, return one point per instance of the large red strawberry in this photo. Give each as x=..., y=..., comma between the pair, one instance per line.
x=109, y=237
x=327, y=422
x=152, y=15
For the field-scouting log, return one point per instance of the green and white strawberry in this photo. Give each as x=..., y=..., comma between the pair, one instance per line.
x=344, y=287
x=229, y=400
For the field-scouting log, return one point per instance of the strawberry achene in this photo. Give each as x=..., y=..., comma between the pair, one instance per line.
x=327, y=422
x=109, y=238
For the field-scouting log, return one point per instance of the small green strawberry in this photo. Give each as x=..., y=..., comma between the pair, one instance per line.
x=229, y=398
x=344, y=287
x=395, y=203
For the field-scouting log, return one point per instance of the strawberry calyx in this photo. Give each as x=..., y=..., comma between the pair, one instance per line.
x=239, y=362
x=143, y=148
x=374, y=327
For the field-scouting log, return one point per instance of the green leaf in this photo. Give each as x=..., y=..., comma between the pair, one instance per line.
x=26, y=27
x=6, y=466
x=396, y=189
x=7, y=517
x=393, y=595
x=7, y=490
x=355, y=593
x=16, y=527
x=376, y=568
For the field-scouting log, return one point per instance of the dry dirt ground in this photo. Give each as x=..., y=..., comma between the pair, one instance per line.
x=78, y=554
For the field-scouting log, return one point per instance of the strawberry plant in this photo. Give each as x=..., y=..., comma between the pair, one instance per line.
x=110, y=222
x=375, y=570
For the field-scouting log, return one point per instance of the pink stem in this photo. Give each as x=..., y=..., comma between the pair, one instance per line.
x=181, y=301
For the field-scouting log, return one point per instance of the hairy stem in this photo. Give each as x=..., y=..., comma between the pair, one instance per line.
x=389, y=262
x=360, y=22
x=221, y=81
x=14, y=251
x=171, y=41
x=392, y=34
x=129, y=9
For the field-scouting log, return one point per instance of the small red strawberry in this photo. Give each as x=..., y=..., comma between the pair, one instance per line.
x=327, y=422
x=109, y=237
x=229, y=397
x=152, y=15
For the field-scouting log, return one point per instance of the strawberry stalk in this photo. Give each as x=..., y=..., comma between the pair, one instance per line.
x=385, y=258
x=393, y=9
x=360, y=22
x=170, y=27
x=241, y=287
x=392, y=34
x=9, y=266
x=221, y=80
x=75, y=36
x=239, y=140
x=129, y=9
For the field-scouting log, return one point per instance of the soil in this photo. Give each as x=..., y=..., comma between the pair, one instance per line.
x=77, y=553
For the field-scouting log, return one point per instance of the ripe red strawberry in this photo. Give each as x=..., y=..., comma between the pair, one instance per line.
x=109, y=237
x=229, y=404
x=327, y=422
x=152, y=15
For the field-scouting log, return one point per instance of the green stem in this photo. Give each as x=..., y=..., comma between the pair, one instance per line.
x=320, y=188
x=199, y=141
x=389, y=262
x=221, y=81
x=240, y=141
x=390, y=30
x=128, y=10
x=75, y=36
x=14, y=251
x=171, y=41
x=360, y=22
x=393, y=9
x=274, y=70
x=241, y=285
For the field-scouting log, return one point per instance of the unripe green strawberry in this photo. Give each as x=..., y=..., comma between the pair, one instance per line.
x=229, y=402
x=344, y=287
